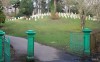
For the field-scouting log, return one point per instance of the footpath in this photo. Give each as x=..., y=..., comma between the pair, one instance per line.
x=42, y=53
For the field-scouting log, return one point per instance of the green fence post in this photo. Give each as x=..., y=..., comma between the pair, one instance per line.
x=87, y=41
x=30, y=47
x=1, y=34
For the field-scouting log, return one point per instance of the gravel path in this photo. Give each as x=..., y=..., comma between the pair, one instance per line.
x=42, y=53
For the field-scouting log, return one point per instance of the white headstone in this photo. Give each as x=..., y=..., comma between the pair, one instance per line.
x=12, y=19
x=89, y=17
x=18, y=17
x=94, y=18
x=49, y=14
x=74, y=17
x=71, y=16
x=38, y=16
x=59, y=14
x=42, y=16
x=29, y=18
x=86, y=18
x=15, y=18
x=65, y=15
x=35, y=18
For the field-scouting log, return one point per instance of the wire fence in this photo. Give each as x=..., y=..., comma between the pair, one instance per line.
x=76, y=43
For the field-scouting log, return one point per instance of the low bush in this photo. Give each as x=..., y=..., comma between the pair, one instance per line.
x=2, y=17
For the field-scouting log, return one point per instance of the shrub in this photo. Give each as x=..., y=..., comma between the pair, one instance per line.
x=54, y=16
x=2, y=17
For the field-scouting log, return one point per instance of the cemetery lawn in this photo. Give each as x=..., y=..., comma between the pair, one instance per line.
x=55, y=33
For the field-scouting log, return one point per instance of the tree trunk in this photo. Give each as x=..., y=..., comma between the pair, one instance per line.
x=83, y=21
x=97, y=14
x=54, y=15
x=15, y=11
x=55, y=6
x=69, y=9
x=82, y=17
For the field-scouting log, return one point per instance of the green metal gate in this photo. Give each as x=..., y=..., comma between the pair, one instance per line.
x=4, y=48
x=76, y=43
x=80, y=43
x=7, y=50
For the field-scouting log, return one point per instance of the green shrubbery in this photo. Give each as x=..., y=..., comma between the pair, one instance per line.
x=2, y=17
x=26, y=8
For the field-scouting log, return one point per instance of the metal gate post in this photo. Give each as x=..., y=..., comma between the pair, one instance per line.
x=7, y=54
x=30, y=47
x=87, y=41
x=1, y=34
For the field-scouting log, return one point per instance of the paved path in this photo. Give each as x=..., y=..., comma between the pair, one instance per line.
x=42, y=52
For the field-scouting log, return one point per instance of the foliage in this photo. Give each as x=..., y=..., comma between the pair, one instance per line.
x=2, y=15
x=14, y=1
x=26, y=7
x=74, y=9
x=17, y=4
x=96, y=9
x=69, y=3
x=89, y=13
x=43, y=4
x=82, y=7
x=1, y=7
x=5, y=2
x=52, y=6
x=59, y=6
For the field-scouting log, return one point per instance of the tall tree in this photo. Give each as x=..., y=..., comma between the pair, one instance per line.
x=26, y=8
x=15, y=3
x=60, y=6
x=83, y=6
x=96, y=9
x=69, y=3
x=2, y=15
x=43, y=4
x=53, y=9
x=5, y=2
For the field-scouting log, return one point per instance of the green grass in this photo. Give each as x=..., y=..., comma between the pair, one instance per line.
x=54, y=33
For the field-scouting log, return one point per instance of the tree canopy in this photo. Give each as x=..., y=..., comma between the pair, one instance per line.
x=2, y=15
x=26, y=8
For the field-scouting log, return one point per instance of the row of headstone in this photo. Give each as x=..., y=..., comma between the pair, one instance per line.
x=35, y=17
x=14, y=18
x=75, y=16
x=68, y=15
x=41, y=16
